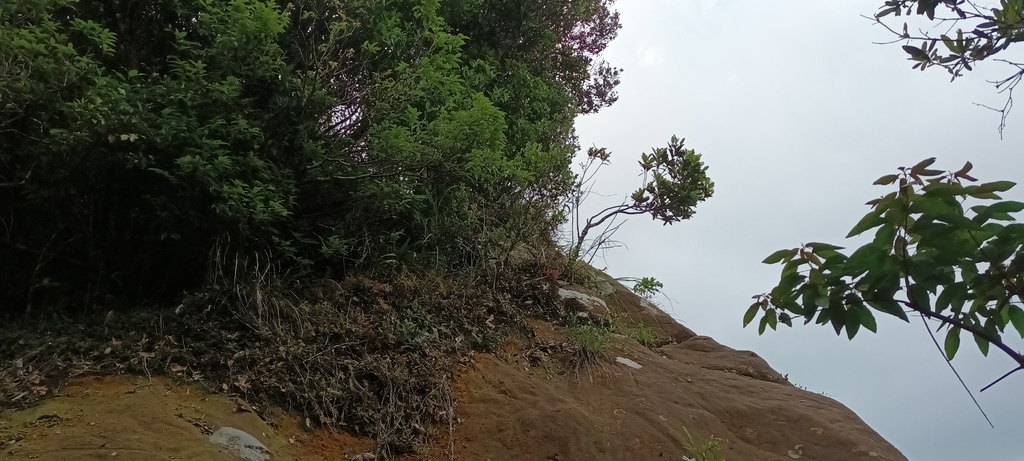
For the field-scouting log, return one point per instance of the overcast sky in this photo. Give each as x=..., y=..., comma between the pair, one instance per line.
x=796, y=112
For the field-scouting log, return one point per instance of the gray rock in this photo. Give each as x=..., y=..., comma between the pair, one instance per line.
x=241, y=444
x=582, y=302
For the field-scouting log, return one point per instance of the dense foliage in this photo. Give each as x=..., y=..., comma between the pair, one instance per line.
x=931, y=255
x=147, y=145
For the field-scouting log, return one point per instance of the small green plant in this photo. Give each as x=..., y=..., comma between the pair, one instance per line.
x=591, y=342
x=708, y=450
x=647, y=337
x=647, y=287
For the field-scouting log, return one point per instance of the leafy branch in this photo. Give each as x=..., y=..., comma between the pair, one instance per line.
x=674, y=181
x=981, y=33
x=962, y=267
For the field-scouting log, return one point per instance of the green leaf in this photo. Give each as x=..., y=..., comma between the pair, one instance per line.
x=886, y=180
x=935, y=206
x=886, y=12
x=1008, y=206
x=786, y=285
x=928, y=161
x=950, y=293
x=852, y=322
x=817, y=246
x=793, y=266
x=916, y=54
x=866, y=258
x=837, y=319
x=779, y=256
x=773, y=319
x=982, y=344
x=950, y=44
x=889, y=306
x=867, y=319
x=869, y=221
x=919, y=297
x=1017, y=319
x=751, y=313
x=952, y=342
x=996, y=186
x=763, y=324
x=966, y=169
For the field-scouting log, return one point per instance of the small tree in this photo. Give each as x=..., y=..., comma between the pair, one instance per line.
x=674, y=181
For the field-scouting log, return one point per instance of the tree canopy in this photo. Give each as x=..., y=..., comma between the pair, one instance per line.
x=149, y=144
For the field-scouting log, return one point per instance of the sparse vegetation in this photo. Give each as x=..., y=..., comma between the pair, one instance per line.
x=647, y=287
x=590, y=345
x=707, y=450
x=374, y=356
x=647, y=336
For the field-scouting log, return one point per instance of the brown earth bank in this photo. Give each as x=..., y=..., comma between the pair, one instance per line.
x=532, y=401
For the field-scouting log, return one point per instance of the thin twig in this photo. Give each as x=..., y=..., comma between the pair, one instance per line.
x=951, y=367
x=1002, y=377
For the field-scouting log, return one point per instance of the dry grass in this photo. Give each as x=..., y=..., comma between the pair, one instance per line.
x=374, y=356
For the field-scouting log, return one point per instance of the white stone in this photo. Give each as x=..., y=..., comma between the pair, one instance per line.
x=628, y=362
x=241, y=444
x=588, y=301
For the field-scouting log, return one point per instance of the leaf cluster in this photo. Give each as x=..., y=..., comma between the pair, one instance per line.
x=981, y=32
x=674, y=181
x=934, y=253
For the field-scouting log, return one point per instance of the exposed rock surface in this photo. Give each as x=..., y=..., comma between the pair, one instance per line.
x=517, y=408
x=524, y=404
x=240, y=443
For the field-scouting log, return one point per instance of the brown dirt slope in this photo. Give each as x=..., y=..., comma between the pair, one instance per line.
x=528, y=403
x=524, y=408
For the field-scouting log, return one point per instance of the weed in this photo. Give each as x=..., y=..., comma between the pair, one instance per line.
x=708, y=450
x=640, y=332
x=647, y=287
x=647, y=337
x=591, y=342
